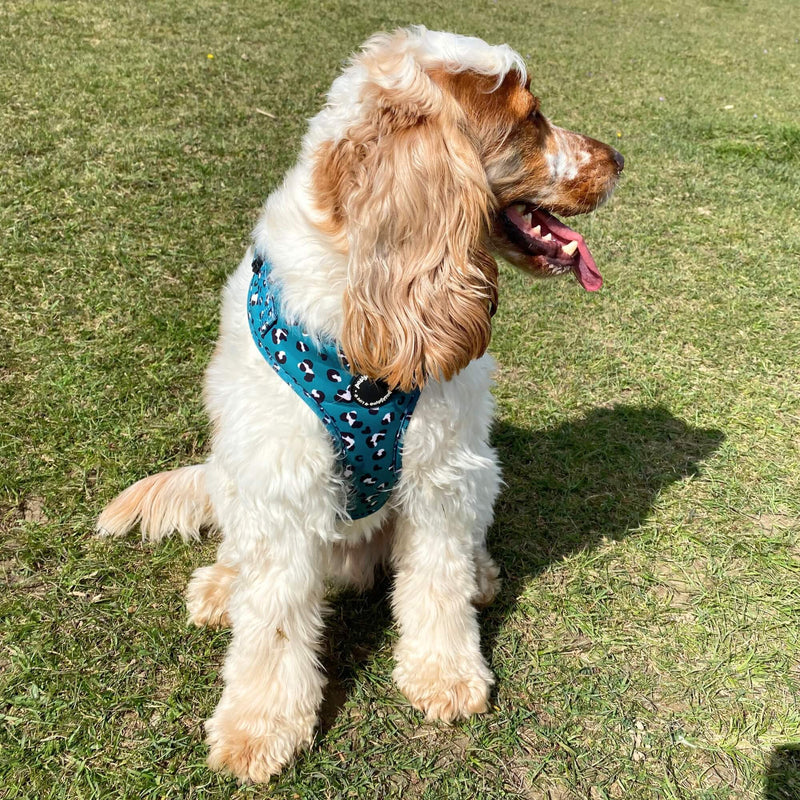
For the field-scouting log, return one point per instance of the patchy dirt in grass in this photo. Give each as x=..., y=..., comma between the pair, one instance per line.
x=777, y=522
x=32, y=510
x=678, y=585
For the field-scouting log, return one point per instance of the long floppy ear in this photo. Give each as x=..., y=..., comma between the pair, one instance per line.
x=407, y=189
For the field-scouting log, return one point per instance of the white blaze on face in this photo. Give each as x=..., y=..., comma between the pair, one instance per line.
x=564, y=157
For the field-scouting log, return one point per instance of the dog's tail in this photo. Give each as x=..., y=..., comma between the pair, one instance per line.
x=169, y=501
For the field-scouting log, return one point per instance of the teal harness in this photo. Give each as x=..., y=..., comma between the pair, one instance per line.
x=365, y=419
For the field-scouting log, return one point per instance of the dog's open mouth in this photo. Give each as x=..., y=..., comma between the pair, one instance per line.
x=539, y=235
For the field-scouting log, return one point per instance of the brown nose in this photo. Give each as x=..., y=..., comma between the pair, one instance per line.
x=619, y=160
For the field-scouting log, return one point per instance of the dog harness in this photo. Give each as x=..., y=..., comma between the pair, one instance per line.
x=365, y=419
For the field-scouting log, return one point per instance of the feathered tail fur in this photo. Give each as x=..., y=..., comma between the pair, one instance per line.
x=176, y=500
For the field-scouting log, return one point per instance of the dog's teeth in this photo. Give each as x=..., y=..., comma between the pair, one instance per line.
x=519, y=208
x=537, y=231
x=548, y=237
x=570, y=248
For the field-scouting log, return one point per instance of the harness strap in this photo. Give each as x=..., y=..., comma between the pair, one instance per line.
x=365, y=419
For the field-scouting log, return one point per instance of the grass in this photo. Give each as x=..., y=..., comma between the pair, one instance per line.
x=645, y=641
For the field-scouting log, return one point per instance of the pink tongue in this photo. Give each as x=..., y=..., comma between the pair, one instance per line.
x=586, y=270
x=587, y=273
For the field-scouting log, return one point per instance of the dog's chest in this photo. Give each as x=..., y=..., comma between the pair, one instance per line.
x=365, y=420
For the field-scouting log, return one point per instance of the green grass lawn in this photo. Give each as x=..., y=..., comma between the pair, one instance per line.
x=646, y=641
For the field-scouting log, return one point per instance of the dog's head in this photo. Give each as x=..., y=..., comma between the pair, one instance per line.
x=431, y=154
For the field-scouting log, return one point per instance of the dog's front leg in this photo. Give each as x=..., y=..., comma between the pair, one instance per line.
x=439, y=665
x=273, y=685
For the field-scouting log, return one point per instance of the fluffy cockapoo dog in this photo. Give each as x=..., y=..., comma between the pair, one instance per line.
x=349, y=390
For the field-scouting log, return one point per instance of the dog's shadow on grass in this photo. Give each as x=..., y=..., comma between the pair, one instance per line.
x=566, y=489
x=782, y=780
x=570, y=487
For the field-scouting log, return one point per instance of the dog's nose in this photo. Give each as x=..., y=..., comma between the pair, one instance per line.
x=619, y=160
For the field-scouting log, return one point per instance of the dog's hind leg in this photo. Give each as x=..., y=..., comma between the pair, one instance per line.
x=487, y=577
x=208, y=594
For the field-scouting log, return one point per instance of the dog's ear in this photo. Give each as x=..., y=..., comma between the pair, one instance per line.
x=406, y=191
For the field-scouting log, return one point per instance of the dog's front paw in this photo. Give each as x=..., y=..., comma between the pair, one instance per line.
x=254, y=748
x=207, y=595
x=445, y=693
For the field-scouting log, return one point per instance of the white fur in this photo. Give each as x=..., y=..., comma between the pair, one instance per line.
x=565, y=159
x=277, y=496
x=277, y=493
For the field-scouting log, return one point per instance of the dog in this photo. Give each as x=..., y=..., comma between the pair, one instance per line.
x=370, y=283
